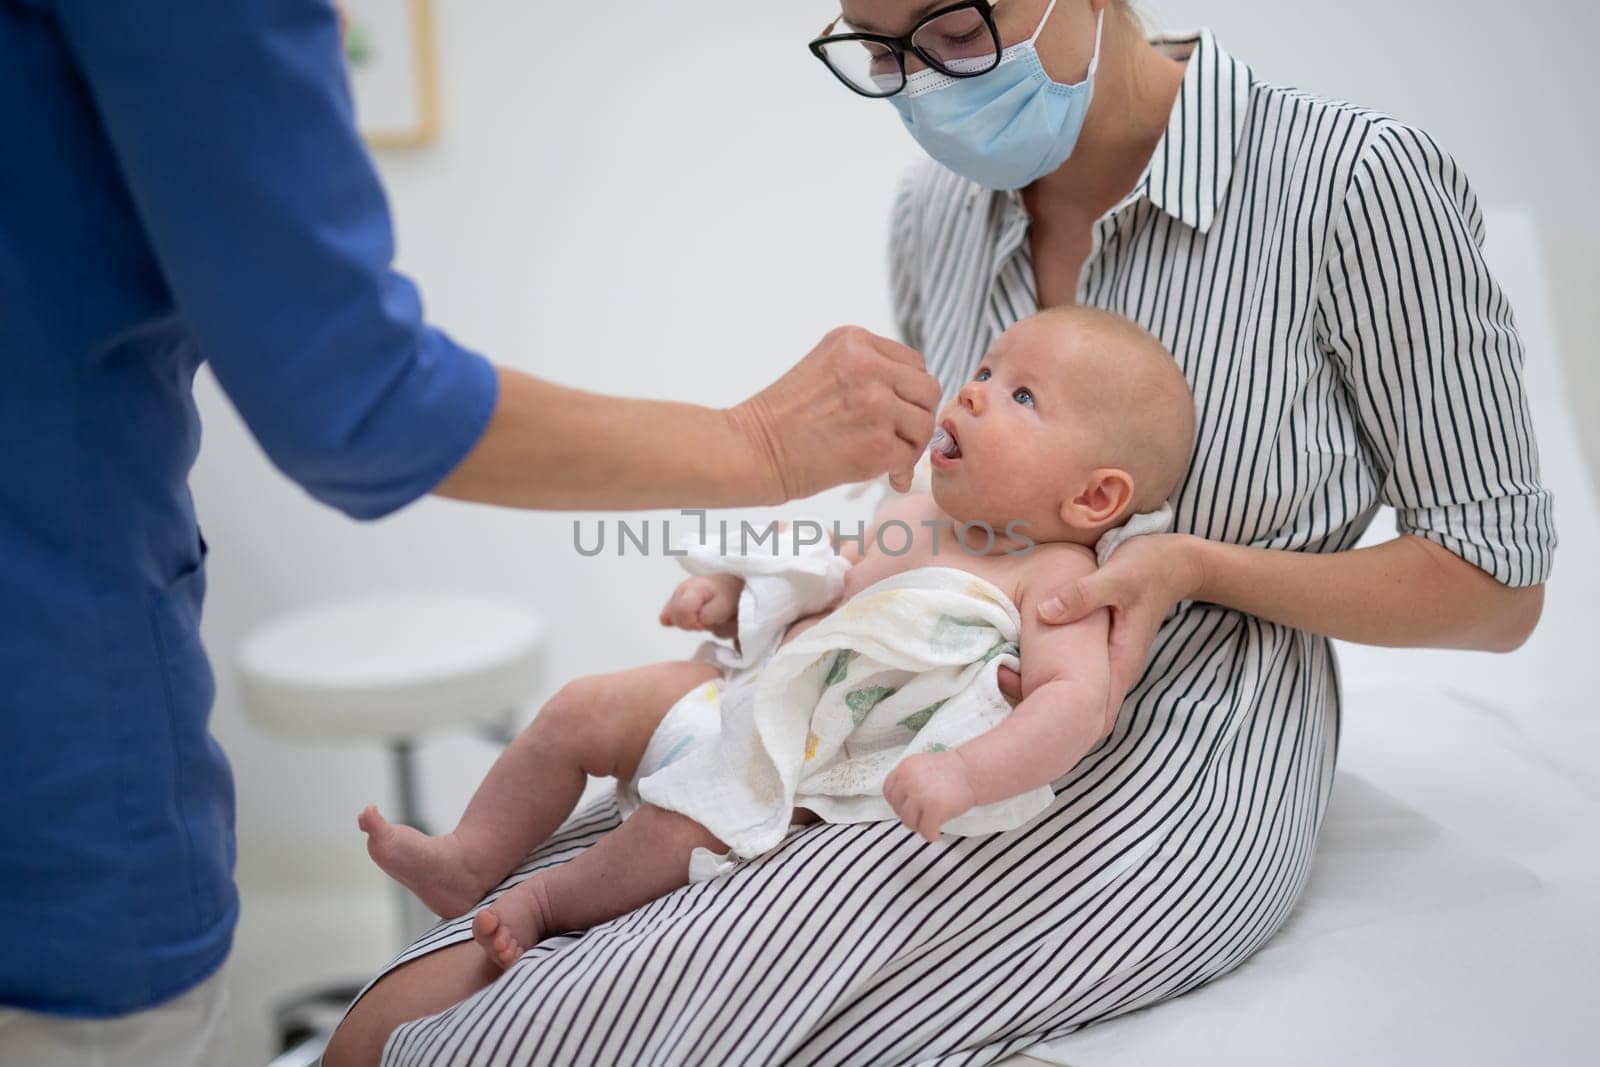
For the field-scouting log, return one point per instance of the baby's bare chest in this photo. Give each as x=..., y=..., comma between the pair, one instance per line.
x=892, y=555
x=1004, y=571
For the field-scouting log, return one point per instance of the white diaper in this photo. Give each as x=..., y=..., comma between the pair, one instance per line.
x=695, y=720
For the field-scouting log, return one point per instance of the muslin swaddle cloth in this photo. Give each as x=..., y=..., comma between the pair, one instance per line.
x=907, y=665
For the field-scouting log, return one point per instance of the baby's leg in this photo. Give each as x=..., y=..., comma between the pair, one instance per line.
x=644, y=858
x=598, y=725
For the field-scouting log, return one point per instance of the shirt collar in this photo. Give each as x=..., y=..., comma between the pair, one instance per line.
x=1187, y=176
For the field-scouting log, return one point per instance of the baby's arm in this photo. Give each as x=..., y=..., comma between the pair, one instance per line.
x=711, y=602
x=705, y=602
x=1066, y=677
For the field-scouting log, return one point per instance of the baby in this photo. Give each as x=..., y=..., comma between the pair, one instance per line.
x=1075, y=421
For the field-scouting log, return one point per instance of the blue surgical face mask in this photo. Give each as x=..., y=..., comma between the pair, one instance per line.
x=1004, y=129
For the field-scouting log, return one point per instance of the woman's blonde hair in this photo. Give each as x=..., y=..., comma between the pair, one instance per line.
x=1131, y=13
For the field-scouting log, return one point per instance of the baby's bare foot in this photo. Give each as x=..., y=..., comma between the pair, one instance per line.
x=514, y=923
x=431, y=867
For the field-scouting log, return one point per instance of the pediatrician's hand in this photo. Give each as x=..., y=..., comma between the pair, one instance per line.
x=858, y=406
x=1142, y=582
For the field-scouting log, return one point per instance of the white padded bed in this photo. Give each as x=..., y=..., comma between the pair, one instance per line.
x=1451, y=916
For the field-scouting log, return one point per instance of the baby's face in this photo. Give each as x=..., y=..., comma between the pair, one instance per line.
x=1025, y=430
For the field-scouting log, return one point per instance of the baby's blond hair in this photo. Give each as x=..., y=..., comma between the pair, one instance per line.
x=1147, y=411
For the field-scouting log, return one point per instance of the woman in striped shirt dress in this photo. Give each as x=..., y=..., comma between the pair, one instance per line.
x=1315, y=268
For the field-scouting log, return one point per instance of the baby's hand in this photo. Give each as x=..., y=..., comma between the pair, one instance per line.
x=705, y=602
x=928, y=790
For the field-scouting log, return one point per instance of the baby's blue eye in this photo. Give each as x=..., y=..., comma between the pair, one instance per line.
x=1023, y=396
x=983, y=375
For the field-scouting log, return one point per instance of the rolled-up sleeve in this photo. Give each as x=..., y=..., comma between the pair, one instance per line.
x=232, y=124
x=1432, y=359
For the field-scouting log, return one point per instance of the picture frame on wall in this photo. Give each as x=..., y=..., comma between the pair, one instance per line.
x=388, y=46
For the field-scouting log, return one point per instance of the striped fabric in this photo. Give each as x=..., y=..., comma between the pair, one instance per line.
x=1315, y=269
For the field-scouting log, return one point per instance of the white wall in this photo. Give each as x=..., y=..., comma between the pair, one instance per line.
x=676, y=200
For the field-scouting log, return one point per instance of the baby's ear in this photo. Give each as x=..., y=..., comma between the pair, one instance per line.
x=1106, y=494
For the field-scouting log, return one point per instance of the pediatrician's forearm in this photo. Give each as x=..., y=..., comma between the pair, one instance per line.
x=1406, y=593
x=549, y=446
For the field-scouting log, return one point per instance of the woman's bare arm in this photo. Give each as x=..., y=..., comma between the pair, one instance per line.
x=1408, y=593
x=1405, y=593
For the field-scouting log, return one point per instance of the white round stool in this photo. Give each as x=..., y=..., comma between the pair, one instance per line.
x=393, y=669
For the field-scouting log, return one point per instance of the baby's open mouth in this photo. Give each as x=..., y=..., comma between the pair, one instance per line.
x=944, y=444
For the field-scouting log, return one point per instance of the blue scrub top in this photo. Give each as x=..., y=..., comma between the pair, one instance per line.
x=180, y=180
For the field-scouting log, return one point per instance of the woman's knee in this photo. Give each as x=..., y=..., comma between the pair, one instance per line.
x=425, y=986
x=358, y=1041
x=362, y=1033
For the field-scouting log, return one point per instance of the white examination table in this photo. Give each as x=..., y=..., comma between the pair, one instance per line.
x=1452, y=912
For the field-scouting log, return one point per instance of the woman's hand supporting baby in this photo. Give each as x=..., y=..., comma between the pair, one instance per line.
x=705, y=602
x=1140, y=585
x=1405, y=593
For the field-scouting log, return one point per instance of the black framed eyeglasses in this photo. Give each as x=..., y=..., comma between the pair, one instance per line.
x=961, y=41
